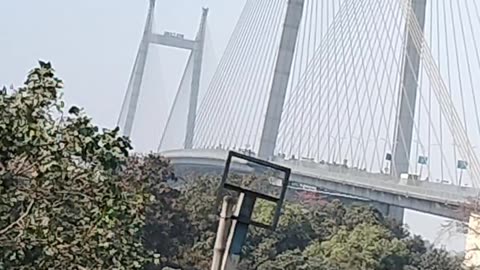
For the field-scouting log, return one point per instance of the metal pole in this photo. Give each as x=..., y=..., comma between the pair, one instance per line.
x=223, y=227
x=238, y=231
x=460, y=180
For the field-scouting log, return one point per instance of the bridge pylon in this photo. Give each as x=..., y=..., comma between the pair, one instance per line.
x=196, y=47
x=281, y=77
x=408, y=96
x=408, y=99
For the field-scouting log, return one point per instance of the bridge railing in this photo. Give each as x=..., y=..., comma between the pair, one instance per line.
x=381, y=182
x=386, y=183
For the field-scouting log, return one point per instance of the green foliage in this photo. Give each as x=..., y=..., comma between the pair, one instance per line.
x=71, y=197
x=365, y=247
x=65, y=202
x=330, y=237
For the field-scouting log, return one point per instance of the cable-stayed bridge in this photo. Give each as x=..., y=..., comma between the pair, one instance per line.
x=352, y=94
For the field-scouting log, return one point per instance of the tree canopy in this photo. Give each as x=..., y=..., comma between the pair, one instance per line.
x=63, y=202
x=72, y=197
x=332, y=236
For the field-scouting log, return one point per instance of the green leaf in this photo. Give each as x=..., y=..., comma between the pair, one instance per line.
x=74, y=110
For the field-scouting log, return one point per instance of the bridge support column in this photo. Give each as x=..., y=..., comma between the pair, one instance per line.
x=197, y=72
x=130, y=102
x=389, y=211
x=396, y=213
x=472, y=245
x=281, y=78
x=408, y=97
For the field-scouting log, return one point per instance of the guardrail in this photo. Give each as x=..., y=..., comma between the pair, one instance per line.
x=384, y=183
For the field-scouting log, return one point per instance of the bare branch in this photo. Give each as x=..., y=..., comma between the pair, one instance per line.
x=4, y=230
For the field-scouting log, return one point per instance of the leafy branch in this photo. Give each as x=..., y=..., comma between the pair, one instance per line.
x=17, y=222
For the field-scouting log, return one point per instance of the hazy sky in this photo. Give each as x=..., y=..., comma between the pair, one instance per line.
x=92, y=44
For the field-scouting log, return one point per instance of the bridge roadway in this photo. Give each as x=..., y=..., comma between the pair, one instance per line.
x=427, y=197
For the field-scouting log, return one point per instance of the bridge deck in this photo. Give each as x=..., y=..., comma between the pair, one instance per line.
x=433, y=198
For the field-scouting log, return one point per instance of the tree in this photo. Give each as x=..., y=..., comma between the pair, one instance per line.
x=332, y=236
x=71, y=197
x=64, y=201
x=437, y=259
x=366, y=246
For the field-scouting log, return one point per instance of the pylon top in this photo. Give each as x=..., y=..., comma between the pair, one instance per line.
x=152, y=3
